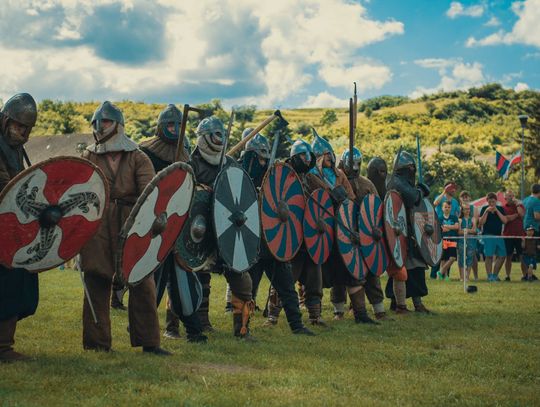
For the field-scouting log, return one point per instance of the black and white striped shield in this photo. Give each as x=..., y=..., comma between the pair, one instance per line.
x=236, y=218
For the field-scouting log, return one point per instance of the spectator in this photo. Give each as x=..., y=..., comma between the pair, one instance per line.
x=492, y=220
x=514, y=212
x=529, y=253
x=450, y=226
x=447, y=195
x=532, y=211
x=465, y=200
x=467, y=255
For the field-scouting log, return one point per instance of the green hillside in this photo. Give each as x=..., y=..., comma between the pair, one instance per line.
x=459, y=130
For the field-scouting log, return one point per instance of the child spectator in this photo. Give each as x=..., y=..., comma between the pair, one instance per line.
x=529, y=253
x=447, y=195
x=465, y=200
x=450, y=226
x=492, y=220
x=467, y=227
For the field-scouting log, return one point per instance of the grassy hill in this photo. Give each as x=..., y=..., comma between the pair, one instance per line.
x=460, y=131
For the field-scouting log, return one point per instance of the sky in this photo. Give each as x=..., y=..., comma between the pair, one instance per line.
x=278, y=53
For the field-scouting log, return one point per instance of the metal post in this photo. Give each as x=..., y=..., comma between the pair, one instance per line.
x=523, y=121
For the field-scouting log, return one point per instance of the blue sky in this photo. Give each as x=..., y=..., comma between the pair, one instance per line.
x=279, y=53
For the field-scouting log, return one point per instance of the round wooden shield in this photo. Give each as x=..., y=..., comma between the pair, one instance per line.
x=155, y=222
x=236, y=218
x=427, y=231
x=348, y=244
x=49, y=211
x=370, y=226
x=395, y=227
x=282, y=206
x=197, y=240
x=319, y=226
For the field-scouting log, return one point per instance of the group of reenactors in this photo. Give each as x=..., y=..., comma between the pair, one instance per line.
x=297, y=278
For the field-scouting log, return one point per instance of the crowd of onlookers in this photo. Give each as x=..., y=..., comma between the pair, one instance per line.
x=497, y=232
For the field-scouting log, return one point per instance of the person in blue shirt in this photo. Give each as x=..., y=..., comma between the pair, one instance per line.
x=447, y=195
x=492, y=219
x=450, y=226
x=532, y=209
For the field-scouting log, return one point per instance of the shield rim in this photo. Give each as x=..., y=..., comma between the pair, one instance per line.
x=135, y=211
x=330, y=209
x=389, y=230
x=437, y=228
x=218, y=249
x=355, y=225
x=40, y=164
x=261, y=195
x=179, y=259
x=381, y=242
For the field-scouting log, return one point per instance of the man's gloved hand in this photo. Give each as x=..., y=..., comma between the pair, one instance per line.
x=424, y=189
x=338, y=194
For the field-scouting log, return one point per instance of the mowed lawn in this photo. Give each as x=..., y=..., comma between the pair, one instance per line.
x=480, y=349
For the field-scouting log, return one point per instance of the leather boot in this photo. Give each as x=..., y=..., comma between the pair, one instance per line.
x=7, y=340
x=400, y=294
x=117, y=299
x=172, y=328
x=242, y=311
x=274, y=308
x=358, y=302
x=314, y=315
x=301, y=296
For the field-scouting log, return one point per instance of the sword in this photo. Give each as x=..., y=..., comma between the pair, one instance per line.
x=87, y=294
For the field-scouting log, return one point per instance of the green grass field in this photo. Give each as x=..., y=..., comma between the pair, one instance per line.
x=480, y=349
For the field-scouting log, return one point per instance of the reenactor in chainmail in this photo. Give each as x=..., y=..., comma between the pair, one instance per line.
x=372, y=286
x=403, y=180
x=19, y=291
x=205, y=161
x=254, y=160
x=161, y=149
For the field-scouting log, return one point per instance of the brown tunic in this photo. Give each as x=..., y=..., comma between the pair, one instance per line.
x=362, y=186
x=133, y=171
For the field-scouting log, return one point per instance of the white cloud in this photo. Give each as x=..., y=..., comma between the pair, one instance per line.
x=521, y=86
x=366, y=75
x=325, y=99
x=458, y=10
x=493, y=22
x=455, y=75
x=240, y=50
x=525, y=31
x=435, y=63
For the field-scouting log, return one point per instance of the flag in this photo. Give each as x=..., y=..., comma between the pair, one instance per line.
x=503, y=165
x=516, y=159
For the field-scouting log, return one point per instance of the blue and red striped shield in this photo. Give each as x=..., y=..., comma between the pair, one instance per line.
x=370, y=226
x=319, y=226
x=348, y=243
x=282, y=206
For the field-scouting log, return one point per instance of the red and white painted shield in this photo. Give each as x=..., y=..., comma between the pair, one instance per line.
x=49, y=211
x=155, y=222
x=395, y=227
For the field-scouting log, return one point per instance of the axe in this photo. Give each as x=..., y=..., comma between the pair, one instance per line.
x=274, y=148
x=266, y=122
x=181, y=136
